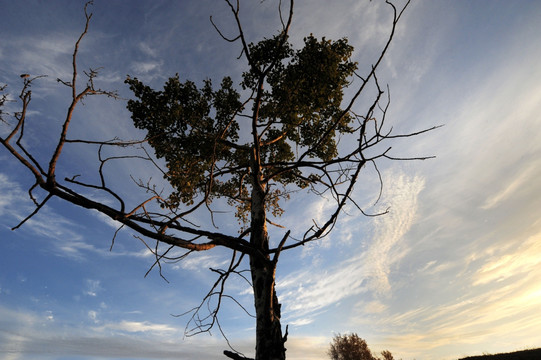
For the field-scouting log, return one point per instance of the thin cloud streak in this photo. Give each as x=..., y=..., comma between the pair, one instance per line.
x=137, y=326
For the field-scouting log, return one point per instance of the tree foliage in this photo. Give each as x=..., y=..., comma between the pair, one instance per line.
x=352, y=347
x=196, y=131
x=349, y=347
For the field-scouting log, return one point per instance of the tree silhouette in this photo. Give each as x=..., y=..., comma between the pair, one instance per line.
x=349, y=347
x=289, y=126
x=386, y=355
x=352, y=347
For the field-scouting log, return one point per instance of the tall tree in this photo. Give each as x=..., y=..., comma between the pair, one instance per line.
x=289, y=126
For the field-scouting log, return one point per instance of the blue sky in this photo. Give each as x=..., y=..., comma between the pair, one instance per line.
x=454, y=269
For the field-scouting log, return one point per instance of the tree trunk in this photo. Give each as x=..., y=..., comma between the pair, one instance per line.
x=269, y=339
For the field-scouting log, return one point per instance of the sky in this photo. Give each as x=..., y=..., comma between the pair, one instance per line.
x=454, y=268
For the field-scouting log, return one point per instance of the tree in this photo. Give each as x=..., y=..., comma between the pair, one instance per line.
x=352, y=347
x=349, y=347
x=386, y=355
x=290, y=126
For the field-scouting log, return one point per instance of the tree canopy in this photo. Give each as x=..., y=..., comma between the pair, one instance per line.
x=352, y=347
x=196, y=130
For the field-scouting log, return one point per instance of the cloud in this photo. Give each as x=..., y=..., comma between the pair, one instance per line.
x=146, y=67
x=69, y=241
x=481, y=319
x=374, y=307
x=92, y=287
x=401, y=194
x=106, y=219
x=15, y=205
x=12, y=196
x=137, y=326
x=510, y=189
x=46, y=53
x=93, y=315
x=523, y=261
x=312, y=289
x=26, y=333
x=197, y=262
x=147, y=49
x=485, y=304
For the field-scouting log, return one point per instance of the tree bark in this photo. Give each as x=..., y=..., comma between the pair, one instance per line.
x=269, y=339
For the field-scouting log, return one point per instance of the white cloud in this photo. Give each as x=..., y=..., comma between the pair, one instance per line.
x=14, y=202
x=68, y=242
x=25, y=333
x=401, y=195
x=40, y=54
x=92, y=287
x=143, y=68
x=137, y=326
x=314, y=289
x=147, y=49
x=428, y=265
x=93, y=315
x=374, y=307
x=503, y=265
x=511, y=188
x=301, y=322
x=107, y=220
x=15, y=205
x=197, y=262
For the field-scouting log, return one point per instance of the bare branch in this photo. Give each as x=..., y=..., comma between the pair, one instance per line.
x=221, y=34
x=36, y=210
x=75, y=99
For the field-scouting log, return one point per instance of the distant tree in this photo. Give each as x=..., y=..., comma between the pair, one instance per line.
x=252, y=147
x=386, y=355
x=349, y=347
x=352, y=347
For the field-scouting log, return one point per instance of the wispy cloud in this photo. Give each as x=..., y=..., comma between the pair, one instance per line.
x=197, y=262
x=12, y=195
x=26, y=332
x=489, y=305
x=311, y=290
x=92, y=287
x=374, y=307
x=509, y=189
x=137, y=326
x=401, y=195
x=93, y=316
x=147, y=49
x=523, y=261
x=146, y=67
x=39, y=54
